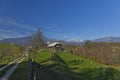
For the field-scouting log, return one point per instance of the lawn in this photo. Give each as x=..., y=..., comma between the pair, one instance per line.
x=42, y=56
x=72, y=67
x=64, y=66
x=21, y=73
x=4, y=46
x=4, y=71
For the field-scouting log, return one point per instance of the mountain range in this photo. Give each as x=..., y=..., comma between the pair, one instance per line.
x=108, y=39
x=25, y=40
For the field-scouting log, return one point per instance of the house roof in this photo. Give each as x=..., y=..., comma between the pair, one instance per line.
x=53, y=44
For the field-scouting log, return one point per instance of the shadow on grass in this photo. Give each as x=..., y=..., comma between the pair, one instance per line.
x=58, y=69
x=2, y=65
x=55, y=57
x=98, y=74
x=46, y=73
x=75, y=62
x=63, y=72
x=21, y=72
x=4, y=71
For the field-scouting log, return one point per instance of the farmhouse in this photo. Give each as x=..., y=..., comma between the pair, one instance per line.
x=55, y=46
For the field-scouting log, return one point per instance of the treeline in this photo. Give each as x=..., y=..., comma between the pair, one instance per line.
x=102, y=52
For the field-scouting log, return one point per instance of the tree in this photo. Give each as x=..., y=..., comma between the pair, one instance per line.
x=38, y=42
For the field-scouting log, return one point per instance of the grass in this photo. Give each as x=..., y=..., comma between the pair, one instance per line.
x=79, y=62
x=42, y=56
x=5, y=62
x=4, y=46
x=3, y=72
x=84, y=69
x=21, y=73
x=7, y=53
x=44, y=73
x=72, y=67
x=64, y=66
x=1, y=65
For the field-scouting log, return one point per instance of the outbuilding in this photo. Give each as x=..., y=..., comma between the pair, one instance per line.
x=55, y=46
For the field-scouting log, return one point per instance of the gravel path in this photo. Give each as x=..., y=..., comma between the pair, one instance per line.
x=10, y=71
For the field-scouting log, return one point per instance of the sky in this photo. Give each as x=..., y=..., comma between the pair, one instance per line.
x=60, y=19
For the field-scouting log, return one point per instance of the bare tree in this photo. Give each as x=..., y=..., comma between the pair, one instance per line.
x=37, y=41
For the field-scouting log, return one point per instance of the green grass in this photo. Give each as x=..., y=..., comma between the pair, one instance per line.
x=88, y=70
x=42, y=56
x=6, y=61
x=7, y=53
x=21, y=73
x=4, y=46
x=73, y=67
x=2, y=65
x=3, y=72
x=78, y=62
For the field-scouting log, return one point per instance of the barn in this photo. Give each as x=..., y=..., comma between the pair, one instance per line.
x=55, y=46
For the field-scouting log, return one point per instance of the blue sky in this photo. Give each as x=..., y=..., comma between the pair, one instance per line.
x=60, y=19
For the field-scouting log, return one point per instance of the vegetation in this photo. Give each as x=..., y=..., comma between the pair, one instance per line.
x=22, y=71
x=8, y=52
x=3, y=46
x=37, y=41
x=85, y=62
x=67, y=66
x=3, y=72
x=106, y=53
x=42, y=56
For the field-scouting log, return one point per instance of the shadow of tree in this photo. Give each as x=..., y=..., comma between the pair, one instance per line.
x=59, y=71
x=21, y=72
x=4, y=71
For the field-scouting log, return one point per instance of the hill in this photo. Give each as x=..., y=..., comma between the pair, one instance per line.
x=66, y=66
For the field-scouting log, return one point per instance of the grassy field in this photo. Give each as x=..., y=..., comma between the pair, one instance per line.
x=8, y=53
x=42, y=56
x=64, y=66
x=3, y=72
x=4, y=46
x=6, y=58
x=71, y=67
x=21, y=73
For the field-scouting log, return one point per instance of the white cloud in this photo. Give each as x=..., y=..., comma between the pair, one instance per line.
x=10, y=22
x=10, y=34
x=22, y=29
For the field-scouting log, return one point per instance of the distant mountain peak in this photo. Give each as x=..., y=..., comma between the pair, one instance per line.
x=76, y=40
x=108, y=39
x=25, y=40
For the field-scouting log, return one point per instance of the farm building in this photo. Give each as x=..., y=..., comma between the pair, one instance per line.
x=55, y=46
